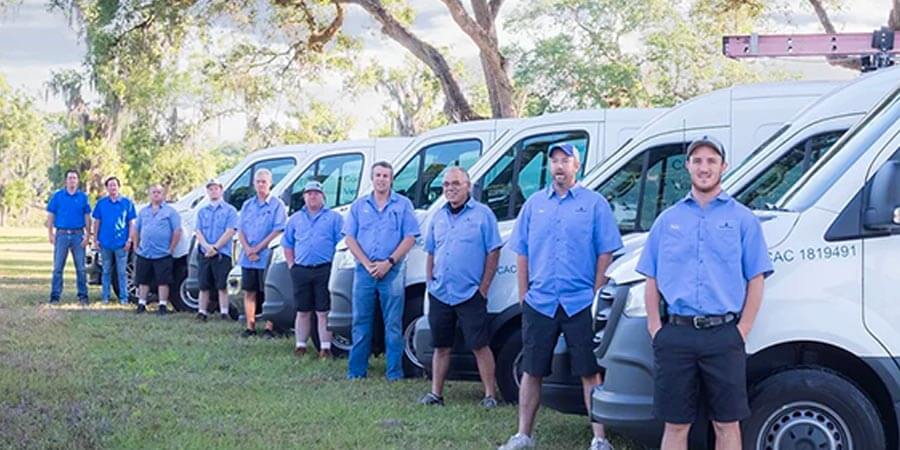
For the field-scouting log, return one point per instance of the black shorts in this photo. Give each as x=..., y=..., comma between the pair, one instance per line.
x=153, y=271
x=471, y=315
x=253, y=280
x=311, y=287
x=689, y=362
x=539, y=336
x=212, y=272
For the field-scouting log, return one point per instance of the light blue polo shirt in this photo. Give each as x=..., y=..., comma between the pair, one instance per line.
x=460, y=244
x=562, y=238
x=313, y=237
x=213, y=220
x=258, y=220
x=69, y=209
x=115, y=217
x=380, y=232
x=155, y=229
x=702, y=258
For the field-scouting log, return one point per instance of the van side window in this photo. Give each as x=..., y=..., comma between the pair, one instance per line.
x=420, y=180
x=645, y=186
x=848, y=224
x=339, y=175
x=523, y=170
x=242, y=188
x=772, y=183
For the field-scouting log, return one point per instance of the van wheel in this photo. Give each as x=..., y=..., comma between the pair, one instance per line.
x=412, y=310
x=509, y=367
x=811, y=408
x=129, y=279
x=336, y=351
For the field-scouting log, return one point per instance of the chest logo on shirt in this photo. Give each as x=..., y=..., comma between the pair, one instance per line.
x=581, y=209
x=726, y=226
x=674, y=226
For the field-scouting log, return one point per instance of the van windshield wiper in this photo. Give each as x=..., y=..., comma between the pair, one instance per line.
x=774, y=207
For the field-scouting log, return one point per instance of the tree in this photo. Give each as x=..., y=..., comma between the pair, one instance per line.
x=820, y=8
x=413, y=93
x=318, y=124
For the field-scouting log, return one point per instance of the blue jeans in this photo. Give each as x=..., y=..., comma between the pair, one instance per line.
x=64, y=244
x=391, y=295
x=120, y=257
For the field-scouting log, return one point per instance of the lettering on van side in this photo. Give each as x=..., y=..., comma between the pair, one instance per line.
x=828, y=252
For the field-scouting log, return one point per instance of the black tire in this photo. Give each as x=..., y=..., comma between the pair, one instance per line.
x=129, y=276
x=412, y=310
x=314, y=335
x=509, y=372
x=811, y=408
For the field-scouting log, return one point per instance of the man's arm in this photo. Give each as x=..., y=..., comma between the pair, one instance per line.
x=603, y=262
x=522, y=276
x=225, y=239
x=429, y=268
x=201, y=240
x=132, y=236
x=176, y=236
x=383, y=267
x=96, y=227
x=51, y=218
x=651, y=304
x=288, y=256
x=86, y=240
x=357, y=251
x=265, y=242
x=490, y=269
x=751, y=304
x=245, y=245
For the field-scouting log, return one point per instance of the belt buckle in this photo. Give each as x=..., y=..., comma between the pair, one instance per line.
x=700, y=322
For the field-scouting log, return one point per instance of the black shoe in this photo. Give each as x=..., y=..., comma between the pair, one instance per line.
x=53, y=301
x=224, y=316
x=431, y=399
x=162, y=310
x=141, y=309
x=248, y=333
x=202, y=317
x=83, y=301
x=268, y=334
x=489, y=403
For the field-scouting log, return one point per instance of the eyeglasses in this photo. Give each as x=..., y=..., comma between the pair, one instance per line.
x=455, y=184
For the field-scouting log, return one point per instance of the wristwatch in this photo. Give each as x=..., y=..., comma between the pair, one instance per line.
x=392, y=261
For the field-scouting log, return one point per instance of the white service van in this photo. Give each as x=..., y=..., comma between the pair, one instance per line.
x=824, y=353
x=639, y=180
x=760, y=180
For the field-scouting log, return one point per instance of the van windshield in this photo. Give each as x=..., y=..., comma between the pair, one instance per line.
x=756, y=151
x=843, y=154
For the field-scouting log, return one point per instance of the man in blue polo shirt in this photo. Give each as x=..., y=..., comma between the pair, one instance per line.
x=158, y=231
x=308, y=242
x=706, y=256
x=114, y=230
x=463, y=245
x=564, y=237
x=68, y=216
x=380, y=230
x=262, y=219
x=216, y=224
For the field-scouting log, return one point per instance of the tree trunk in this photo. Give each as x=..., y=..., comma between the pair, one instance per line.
x=828, y=26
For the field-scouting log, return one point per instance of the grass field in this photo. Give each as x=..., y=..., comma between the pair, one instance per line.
x=101, y=377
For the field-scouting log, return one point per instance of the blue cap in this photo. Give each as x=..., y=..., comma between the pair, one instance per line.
x=706, y=141
x=313, y=186
x=568, y=149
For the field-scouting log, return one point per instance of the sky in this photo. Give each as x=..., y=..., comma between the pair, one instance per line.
x=33, y=42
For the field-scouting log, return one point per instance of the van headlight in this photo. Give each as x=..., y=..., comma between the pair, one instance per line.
x=278, y=256
x=344, y=260
x=634, y=304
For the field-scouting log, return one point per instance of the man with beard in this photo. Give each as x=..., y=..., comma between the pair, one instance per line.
x=706, y=257
x=564, y=238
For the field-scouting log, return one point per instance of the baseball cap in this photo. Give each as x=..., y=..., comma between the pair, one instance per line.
x=568, y=149
x=213, y=181
x=313, y=186
x=706, y=141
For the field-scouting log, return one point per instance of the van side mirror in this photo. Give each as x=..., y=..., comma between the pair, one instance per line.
x=882, y=209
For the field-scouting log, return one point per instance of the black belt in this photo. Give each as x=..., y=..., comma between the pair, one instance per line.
x=314, y=266
x=702, y=322
x=70, y=230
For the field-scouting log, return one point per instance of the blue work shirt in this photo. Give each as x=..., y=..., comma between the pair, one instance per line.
x=702, y=258
x=258, y=220
x=115, y=216
x=562, y=238
x=460, y=244
x=69, y=209
x=312, y=238
x=380, y=232
x=155, y=229
x=213, y=220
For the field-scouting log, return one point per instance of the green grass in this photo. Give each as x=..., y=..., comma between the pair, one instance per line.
x=102, y=377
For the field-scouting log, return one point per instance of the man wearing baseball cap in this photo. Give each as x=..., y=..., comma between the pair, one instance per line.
x=706, y=258
x=564, y=237
x=308, y=242
x=216, y=224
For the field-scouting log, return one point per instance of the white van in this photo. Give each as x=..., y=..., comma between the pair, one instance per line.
x=824, y=354
x=759, y=181
x=639, y=180
x=238, y=183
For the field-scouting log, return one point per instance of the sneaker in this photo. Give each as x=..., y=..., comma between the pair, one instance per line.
x=123, y=301
x=53, y=301
x=489, y=403
x=83, y=301
x=141, y=309
x=325, y=354
x=248, y=333
x=431, y=399
x=105, y=301
x=517, y=441
x=598, y=443
x=201, y=317
x=299, y=351
x=163, y=310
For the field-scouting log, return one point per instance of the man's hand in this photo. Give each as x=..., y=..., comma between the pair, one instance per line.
x=744, y=329
x=127, y=246
x=51, y=238
x=253, y=257
x=210, y=251
x=653, y=328
x=483, y=291
x=96, y=246
x=370, y=267
x=381, y=269
x=85, y=241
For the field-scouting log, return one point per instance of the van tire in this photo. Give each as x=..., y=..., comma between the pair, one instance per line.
x=412, y=310
x=821, y=407
x=508, y=370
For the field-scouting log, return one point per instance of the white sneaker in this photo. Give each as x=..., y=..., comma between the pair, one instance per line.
x=517, y=441
x=600, y=444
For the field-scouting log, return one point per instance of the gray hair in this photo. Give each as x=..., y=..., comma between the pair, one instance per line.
x=263, y=172
x=459, y=169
